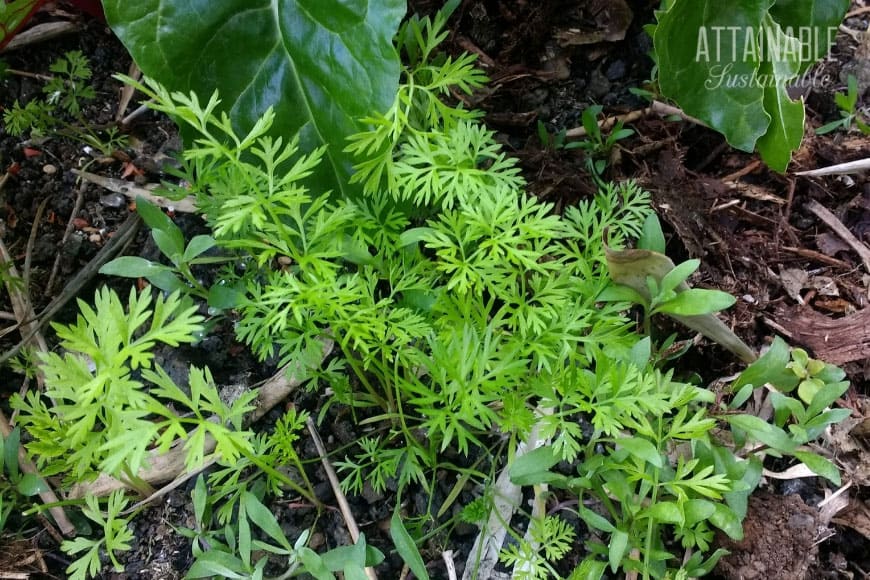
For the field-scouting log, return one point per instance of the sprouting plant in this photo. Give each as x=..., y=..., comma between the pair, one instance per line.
x=116, y=536
x=849, y=114
x=170, y=240
x=596, y=146
x=15, y=485
x=550, y=538
x=242, y=548
x=60, y=111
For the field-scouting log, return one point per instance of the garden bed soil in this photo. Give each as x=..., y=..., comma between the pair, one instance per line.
x=758, y=234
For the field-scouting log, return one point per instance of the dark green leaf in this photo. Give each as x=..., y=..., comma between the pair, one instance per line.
x=166, y=234
x=263, y=518
x=763, y=431
x=698, y=510
x=133, y=267
x=406, y=547
x=642, y=449
x=667, y=512
x=198, y=245
x=594, y=520
x=216, y=563
x=819, y=465
x=726, y=520
x=618, y=549
x=10, y=454
x=321, y=64
x=533, y=467
x=769, y=368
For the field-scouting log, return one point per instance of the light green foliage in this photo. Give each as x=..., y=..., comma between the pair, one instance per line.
x=729, y=65
x=550, y=539
x=639, y=417
x=265, y=468
x=115, y=537
x=439, y=321
x=849, y=115
x=65, y=93
x=104, y=419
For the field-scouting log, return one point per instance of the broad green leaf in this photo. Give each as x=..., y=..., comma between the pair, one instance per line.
x=596, y=521
x=698, y=510
x=678, y=275
x=321, y=64
x=10, y=454
x=197, y=246
x=632, y=268
x=814, y=22
x=728, y=64
x=769, y=368
x=406, y=547
x=133, y=267
x=618, y=549
x=31, y=484
x=697, y=55
x=314, y=564
x=216, y=563
x=263, y=518
x=786, y=130
x=166, y=234
x=819, y=465
x=667, y=512
x=697, y=302
x=726, y=520
x=761, y=430
x=14, y=15
x=642, y=449
x=652, y=237
x=533, y=468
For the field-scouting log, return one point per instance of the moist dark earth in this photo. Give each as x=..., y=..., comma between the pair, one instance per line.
x=547, y=61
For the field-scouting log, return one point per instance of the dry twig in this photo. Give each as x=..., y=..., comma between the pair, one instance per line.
x=336, y=489
x=835, y=224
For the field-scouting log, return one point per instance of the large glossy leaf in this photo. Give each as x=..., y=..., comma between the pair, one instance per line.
x=729, y=63
x=698, y=55
x=322, y=64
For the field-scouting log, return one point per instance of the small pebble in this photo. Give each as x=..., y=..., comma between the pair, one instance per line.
x=115, y=200
x=49, y=169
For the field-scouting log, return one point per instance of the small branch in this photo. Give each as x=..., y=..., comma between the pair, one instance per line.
x=839, y=169
x=657, y=107
x=835, y=224
x=336, y=489
x=70, y=226
x=186, y=205
x=40, y=33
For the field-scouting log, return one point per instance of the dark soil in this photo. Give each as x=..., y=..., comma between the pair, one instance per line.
x=752, y=228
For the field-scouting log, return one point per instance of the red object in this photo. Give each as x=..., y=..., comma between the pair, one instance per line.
x=31, y=152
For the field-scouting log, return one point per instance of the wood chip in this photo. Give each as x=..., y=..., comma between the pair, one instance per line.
x=835, y=224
